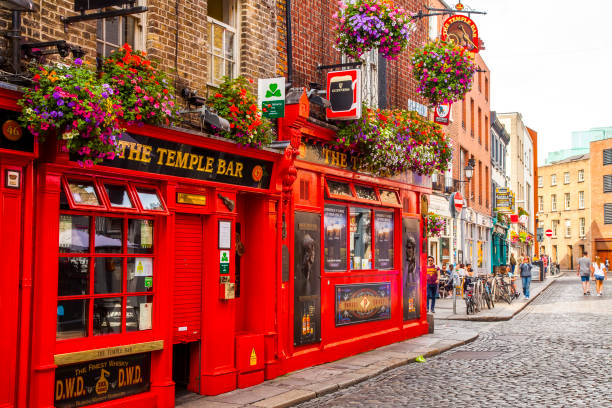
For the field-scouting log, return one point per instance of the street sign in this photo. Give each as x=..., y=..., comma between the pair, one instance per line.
x=458, y=201
x=344, y=94
x=442, y=113
x=462, y=31
x=271, y=97
x=548, y=233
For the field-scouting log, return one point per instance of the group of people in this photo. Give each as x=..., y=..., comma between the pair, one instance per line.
x=597, y=270
x=450, y=273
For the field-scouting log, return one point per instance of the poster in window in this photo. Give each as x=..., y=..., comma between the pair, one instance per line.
x=307, y=279
x=146, y=234
x=65, y=236
x=335, y=238
x=383, y=224
x=411, y=268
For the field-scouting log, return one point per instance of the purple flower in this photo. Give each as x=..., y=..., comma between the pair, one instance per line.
x=78, y=61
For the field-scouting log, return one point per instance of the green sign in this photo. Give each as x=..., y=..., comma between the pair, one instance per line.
x=148, y=281
x=271, y=97
x=224, y=262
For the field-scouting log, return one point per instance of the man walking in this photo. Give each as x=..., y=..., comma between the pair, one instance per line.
x=585, y=270
x=433, y=278
x=525, y=270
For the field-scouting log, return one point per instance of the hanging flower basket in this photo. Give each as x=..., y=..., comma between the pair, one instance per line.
x=236, y=103
x=529, y=239
x=393, y=141
x=145, y=93
x=443, y=70
x=363, y=25
x=514, y=237
x=434, y=224
x=70, y=101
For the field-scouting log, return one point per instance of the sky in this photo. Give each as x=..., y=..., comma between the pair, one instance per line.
x=551, y=61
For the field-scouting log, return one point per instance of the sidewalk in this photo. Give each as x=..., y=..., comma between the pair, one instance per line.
x=501, y=311
x=312, y=382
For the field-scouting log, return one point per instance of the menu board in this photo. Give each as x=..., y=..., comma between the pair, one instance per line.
x=383, y=224
x=335, y=238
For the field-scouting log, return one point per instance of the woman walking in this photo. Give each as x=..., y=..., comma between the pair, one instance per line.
x=600, y=272
x=525, y=269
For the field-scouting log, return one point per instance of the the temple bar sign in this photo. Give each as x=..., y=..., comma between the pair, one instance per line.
x=344, y=94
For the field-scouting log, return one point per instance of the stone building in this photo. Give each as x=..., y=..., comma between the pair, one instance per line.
x=600, y=223
x=565, y=207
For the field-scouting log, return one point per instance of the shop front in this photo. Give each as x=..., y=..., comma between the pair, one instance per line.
x=157, y=268
x=476, y=233
x=358, y=253
x=499, y=247
x=442, y=247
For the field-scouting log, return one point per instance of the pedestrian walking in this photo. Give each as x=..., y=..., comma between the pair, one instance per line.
x=512, y=262
x=433, y=278
x=525, y=270
x=585, y=270
x=600, y=273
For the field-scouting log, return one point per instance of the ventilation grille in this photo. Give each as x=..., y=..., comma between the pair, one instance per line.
x=608, y=213
x=607, y=183
x=607, y=156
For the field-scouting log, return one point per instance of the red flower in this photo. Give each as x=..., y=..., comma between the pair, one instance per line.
x=233, y=108
x=127, y=47
x=36, y=77
x=165, y=91
x=253, y=107
x=218, y=95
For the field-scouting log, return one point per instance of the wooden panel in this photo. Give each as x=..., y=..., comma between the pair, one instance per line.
x=188, y=278
x=107, y=352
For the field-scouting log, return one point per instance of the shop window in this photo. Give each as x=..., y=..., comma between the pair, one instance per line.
x=336, y=189
x=383, y=221
x=389, y=197
x=118, y=196
x=223, y=40
x=361, y=238
x=84, y=193
x=334, y=225
x=367, y=193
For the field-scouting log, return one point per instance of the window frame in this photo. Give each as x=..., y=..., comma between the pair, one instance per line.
x=580, y=176
x=139, y=33
x=581, y=200
x=553, y=202
x=566, y=177
x=540, y=181
x=541, y=203
x=553, y=179
x=568, y=201
x=582, y=228
x=235, y=44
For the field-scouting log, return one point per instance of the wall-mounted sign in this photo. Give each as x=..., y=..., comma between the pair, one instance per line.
x=457, y=202
x=442, y=113
x=150, y=155
x=503, y=200
x=224, y=261
x=12, y=178
x=548, y=233
x=13, y=136
x=271, y=97
x=523, y=219
x=344, y=94
x=193, y=199
x=364, y=302
x=97, y=381
x=225, y=234
x=461, y=30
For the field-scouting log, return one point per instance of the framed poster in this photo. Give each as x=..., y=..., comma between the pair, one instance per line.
x=411, y=268
x=362, y=302
x=225, y=234
x=334, y=224
x=383, y=224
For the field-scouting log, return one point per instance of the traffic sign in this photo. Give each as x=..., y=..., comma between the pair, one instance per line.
x=548, y=233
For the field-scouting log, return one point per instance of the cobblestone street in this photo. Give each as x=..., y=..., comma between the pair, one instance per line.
x=556, y=352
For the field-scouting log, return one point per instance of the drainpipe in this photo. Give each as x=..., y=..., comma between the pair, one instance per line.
x=289, y=42
x=15, y=36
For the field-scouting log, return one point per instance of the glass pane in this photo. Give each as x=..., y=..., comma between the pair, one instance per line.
x=72, y=318
x=108, y=275
x=217, y=39
x=140, y=236
x=366, y=193
x=73, y=276
x=63, y=201
x=112, y=30
x=218, y=71
x=107, y=316
x=100, y=29
x=383, y=224
x=388, y=197
x=83, y=193
x=109, y=235
x=139, y=274
x=130, y=30
x=338, y=188
x=74, y=233
x=139, y=313
x=361, y=238
x=229, y=69
x=229, y=45
x=149, y=199
x=335, y=238
x=118, y=196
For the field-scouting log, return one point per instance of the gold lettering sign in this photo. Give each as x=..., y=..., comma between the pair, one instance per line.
x=195, y=199
x=98, y=354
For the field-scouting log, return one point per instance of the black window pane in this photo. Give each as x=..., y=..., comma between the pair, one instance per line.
x=72, y=318
x=118, y=196
x=74, y=233
x=139, y=312
x=108, y=275
x=109, y=235
x=149, y=199
x=366, y=193
x=73, y=276
x=139, y=274
x=107, y=315
x=140, y=236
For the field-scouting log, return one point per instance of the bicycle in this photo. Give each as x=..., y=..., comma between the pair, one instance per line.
x=470, y=305
x=488, y=292
x=501, y=290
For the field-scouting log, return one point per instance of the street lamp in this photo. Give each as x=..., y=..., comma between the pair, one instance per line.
x=469, y=171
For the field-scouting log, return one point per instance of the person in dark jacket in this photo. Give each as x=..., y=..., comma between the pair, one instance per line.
x=525, y=270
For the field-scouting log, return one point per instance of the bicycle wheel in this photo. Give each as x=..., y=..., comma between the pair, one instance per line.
x=506, y=294
x=487, y=299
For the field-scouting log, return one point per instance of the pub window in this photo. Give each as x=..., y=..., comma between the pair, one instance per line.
x=338, y=189
x=383, y=222
x=113, y=32
x=366, y=193
x=361, y=238
x=223, y=40
x=389, y=197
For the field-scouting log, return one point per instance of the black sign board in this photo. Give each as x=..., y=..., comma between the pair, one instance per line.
x=411, y=268
x=307, y=279
x=383, y=222
x=97, y=381
x=147, y=154
x=335, y=238
x=362, y=302
x=12, y=135
x=82, y=5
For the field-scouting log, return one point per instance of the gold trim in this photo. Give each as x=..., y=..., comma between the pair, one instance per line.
x=97, y=354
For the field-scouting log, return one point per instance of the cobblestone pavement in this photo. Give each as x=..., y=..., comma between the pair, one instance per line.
x=556, y=353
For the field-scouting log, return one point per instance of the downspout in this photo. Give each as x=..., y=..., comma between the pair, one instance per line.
x=289, y=42
x=15, y=35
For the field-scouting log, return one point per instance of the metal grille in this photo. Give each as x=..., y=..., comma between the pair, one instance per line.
x=607, y=183
x=608, y=213
x=607, y=156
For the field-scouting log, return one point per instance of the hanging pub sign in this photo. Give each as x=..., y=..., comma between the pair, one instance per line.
x=150, y=155
x=462, y=31
x=503, y=200
x=442, y=113
x=344, y=94
x=92, y=382
x=271, y=97
x=14, y=136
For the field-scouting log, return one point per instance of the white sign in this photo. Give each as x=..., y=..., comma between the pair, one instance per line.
x=144, y=318
x=144, y=267
x=225, y=234
x=271, y=97
x=417, y=107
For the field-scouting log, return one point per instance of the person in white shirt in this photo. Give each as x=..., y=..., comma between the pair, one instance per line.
x=600, y=273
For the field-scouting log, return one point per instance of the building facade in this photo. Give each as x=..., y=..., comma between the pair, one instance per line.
x=565, y=207
x=600, y=224
x=500, y=183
